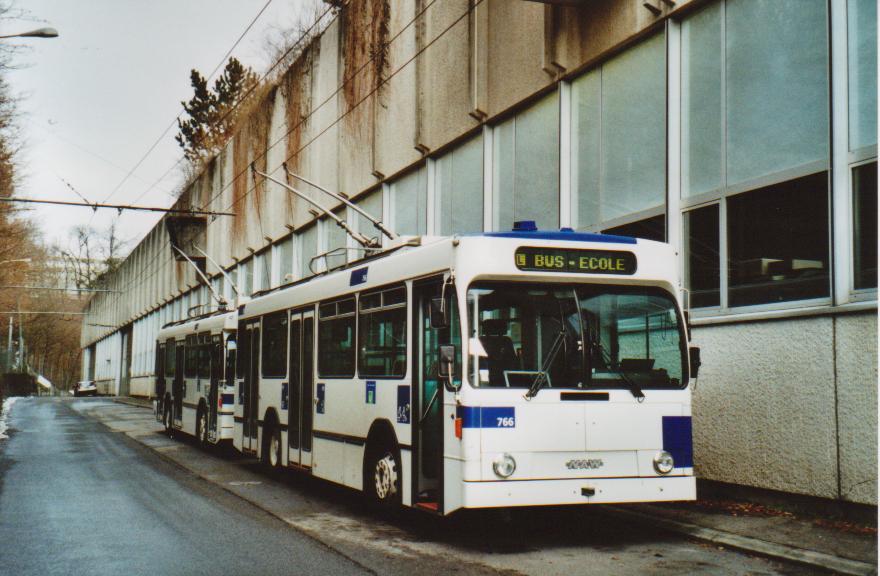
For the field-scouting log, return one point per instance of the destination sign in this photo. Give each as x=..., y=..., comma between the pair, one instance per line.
x=572, y=260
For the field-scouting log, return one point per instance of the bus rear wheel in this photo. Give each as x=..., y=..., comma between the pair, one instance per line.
x=271, y=453
x=382, y=481
x=166, y=419
x=202, y=426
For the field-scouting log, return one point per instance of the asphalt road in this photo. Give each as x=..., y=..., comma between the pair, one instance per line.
x=93, y=486
x=76, y=498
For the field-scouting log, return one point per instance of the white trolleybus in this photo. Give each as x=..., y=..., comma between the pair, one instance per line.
x=195, y=360
x=513, y=368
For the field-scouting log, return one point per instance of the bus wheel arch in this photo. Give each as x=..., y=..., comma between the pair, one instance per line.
x=270, y=442
x=382, y=472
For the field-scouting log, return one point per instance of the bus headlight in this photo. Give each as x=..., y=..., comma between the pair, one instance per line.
x=504, y=465
x=663, y=462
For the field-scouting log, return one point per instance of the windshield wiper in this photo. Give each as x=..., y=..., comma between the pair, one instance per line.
x=634, y=388
x=541, y=377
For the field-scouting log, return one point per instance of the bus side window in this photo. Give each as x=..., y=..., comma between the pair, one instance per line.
x=336, y=339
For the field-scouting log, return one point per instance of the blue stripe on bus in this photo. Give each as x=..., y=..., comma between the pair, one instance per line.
x=486, y=416
x=228, y=398
x=678, y=440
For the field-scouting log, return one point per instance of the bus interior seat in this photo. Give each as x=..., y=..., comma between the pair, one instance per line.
x=499, y=349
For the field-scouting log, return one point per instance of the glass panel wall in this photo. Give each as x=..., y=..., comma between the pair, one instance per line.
x=372, y=205
x=336, y=240
x=409, y=199
x=308, y=246
x=618, y=141
x=458, y=189
x=761, y=167
x=865, y=225
x=862, y=73
x=526, y=166
x=285, y=260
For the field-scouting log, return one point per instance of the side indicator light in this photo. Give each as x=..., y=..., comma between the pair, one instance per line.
x=458, y=423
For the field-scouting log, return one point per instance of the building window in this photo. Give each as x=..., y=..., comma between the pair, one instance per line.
x=263, y=270
x=754, y=178
x=778, y=242
x=335, y=241
x=458, y=189
x=246, y=277
x=862, y=73
x=336, y=332
x=382, y=334
x=285, y=261
x=618, y=142
x=526, y=166
x=372, y=205
x=703, y=263
x=308, y=245
x=865, y=225
x=273, y=351
x=409, y=203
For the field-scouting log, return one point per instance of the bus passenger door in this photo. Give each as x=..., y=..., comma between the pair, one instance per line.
x=301, y=388
x=214, y=390
x=177, y=386
x=251, y=386
x=429, y=393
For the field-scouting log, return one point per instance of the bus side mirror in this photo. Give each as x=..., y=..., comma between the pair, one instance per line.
x=446, y=367
x=439, y=317
x=695, y=361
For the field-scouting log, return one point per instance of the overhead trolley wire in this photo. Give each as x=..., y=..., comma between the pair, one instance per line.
x=466, y=13
x=299, y=41
x=182, y=110
x=246, y=94
x=339, y=88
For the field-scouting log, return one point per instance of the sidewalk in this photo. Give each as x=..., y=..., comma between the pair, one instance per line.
x=839, y=547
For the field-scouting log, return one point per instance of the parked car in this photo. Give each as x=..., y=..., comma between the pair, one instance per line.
x=85, y=388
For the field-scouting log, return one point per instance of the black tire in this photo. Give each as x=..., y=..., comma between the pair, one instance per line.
x=167, y=419
x=270, y=454
x=383, y=478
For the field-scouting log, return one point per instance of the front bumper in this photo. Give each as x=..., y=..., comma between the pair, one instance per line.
x=571, y=491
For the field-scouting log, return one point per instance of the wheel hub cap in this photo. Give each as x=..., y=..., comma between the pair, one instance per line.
x=386, y=477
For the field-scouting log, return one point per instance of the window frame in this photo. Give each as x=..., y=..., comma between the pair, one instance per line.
x=379, y=309
x=320, y=320
x=263, y=348
x=857, y=294
x=721, y=197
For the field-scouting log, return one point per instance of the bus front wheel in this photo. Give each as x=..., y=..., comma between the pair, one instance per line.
x=382, y=483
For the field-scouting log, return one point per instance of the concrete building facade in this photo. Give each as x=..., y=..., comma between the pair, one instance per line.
x=742, y=132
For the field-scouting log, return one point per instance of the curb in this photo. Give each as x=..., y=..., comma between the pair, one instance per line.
x=754, y=545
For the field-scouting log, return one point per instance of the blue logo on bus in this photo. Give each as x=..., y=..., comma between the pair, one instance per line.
x=371, y=392
x=358, y=276
x=284, y=395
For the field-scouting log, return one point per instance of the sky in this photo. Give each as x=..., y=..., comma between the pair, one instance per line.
x=95, y=99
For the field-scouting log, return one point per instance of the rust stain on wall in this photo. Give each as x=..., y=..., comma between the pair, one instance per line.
x=365, y=57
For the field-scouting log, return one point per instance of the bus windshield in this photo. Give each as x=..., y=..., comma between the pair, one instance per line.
x=573, y=336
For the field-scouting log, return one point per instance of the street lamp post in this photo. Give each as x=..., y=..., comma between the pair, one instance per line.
x=38, y=33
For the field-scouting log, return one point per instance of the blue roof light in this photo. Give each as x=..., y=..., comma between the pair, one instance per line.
x=525, y=226
x=526, y=230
